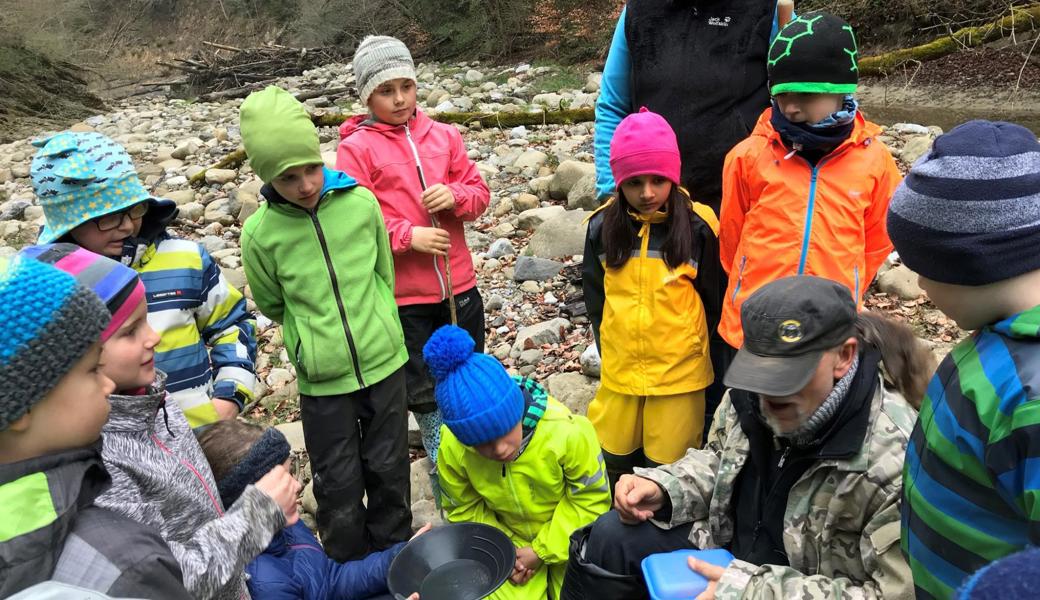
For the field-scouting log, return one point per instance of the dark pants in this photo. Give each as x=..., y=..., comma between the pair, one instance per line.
x=358, y=443
x=419, y=321
x=605, y=558
x=721, y=356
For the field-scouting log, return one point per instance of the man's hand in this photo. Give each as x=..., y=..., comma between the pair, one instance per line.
x=636, y=499
x=226, y=409
x=431, y=240
x=713, y=573
x=438, y=197
x=283, y=488
x=421, y=531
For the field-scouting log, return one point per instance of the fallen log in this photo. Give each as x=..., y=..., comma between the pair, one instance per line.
x=1020, y=19
x=559, y=117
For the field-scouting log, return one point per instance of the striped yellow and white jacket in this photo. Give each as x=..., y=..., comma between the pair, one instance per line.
x=208, y=344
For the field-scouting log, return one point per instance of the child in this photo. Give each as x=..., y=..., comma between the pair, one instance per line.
x=427, y=188
x=514, y=458
x=318, y=261
x=160, y=477
x=967, y=219
x=52, y=407
x=294, y=566
x=651, y=261
x=91, y=196
x=806, y=193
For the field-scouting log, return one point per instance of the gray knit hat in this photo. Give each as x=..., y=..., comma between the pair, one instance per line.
x=50, y=321
x=380, y=58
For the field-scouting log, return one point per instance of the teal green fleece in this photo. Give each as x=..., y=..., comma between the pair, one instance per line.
x=328, y=277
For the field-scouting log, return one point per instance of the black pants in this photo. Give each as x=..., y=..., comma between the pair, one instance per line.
x=605, y=558
x=721, y=356
x=419, y=321
x=358, y=443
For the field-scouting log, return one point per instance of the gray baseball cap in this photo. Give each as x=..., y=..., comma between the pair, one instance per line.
x=788, y=324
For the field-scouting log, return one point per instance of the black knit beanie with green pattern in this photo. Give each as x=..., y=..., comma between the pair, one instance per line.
x=815, y=53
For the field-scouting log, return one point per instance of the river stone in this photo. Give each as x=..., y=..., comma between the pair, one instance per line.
x=532, y=218
x=531, y=357
x=525, y=202
x=591, y=362
x=220, y=176
x=531, y=159
x=915, y=148
x=583, y=194
x=561, y=236
x=567, y=175
x=901, y=281
x=548, y=332
x=501, y=247
x=191, y=211
x=495, y=302
x=181, y=197
x=574, y=390
x=529, y=268
x=293, y=433
x=503, y=207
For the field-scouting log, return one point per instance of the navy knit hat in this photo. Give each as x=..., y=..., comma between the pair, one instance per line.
x=968, y=213
x=271, y=450
x=50, y=322
x=1014, y=576
x=479, y=401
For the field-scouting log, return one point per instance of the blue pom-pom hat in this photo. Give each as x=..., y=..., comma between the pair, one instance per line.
x=478, y=399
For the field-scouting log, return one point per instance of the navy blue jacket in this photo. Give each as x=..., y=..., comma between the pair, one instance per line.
x=295, y=567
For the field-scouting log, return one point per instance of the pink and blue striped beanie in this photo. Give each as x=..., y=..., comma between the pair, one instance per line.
x=118, y=286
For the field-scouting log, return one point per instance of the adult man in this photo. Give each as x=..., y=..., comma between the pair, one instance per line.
x=800, y=479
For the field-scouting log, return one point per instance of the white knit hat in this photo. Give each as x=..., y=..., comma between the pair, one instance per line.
x=381, y=58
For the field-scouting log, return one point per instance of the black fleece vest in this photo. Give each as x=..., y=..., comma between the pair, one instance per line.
x=702, y=65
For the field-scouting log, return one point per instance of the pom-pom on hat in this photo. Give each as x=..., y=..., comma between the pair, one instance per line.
x=644, y=144
x=479, y=401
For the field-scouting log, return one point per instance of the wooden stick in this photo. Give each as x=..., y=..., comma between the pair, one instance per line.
x=222, y=46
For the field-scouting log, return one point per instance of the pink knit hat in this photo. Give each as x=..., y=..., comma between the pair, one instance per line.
x=644, y=144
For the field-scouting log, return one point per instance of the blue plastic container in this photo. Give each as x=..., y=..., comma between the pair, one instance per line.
x=668, y=577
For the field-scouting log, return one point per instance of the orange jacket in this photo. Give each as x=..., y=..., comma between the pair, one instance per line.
x=781, y=216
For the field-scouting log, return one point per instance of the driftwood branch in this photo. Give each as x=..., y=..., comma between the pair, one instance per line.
x=1020, y=19
x=560, y=117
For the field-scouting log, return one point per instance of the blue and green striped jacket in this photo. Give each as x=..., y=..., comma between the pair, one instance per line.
x=971, y=481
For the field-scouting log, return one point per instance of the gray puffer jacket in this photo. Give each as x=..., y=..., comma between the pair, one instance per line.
x=160, y=477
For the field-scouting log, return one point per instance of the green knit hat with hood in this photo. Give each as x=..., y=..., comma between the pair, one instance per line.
x=278, y=133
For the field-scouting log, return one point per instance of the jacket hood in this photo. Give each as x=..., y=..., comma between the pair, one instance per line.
x=334, y=181
x=419, y=125
x=137, y=412
x=862, y=130
x=47, y=493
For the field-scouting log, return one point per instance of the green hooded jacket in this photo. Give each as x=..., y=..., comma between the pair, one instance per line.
x=326, y=275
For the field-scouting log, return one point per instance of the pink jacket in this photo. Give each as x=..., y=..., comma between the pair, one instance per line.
x=383, y=158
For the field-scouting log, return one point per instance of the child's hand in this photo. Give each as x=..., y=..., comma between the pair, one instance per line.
x=283, y=488
x=226, y=409
x=421, y=531
x=527, y=562
x=438, y=197
x=431, y=240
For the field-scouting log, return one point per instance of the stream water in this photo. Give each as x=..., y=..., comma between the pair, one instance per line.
x=949, y=116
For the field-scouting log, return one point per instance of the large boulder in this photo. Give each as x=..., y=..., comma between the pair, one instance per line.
x=574, y=390
x=561, y=236
x=533, y=336
x=567, y=175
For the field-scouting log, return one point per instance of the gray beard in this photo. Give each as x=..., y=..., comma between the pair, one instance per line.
x=810, y=426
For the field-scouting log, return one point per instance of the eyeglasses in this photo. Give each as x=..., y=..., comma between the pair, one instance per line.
x=115, y=220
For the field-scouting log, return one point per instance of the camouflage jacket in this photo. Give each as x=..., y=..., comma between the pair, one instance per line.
x=841, y=526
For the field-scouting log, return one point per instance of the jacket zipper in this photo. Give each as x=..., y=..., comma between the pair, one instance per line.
x=807, y=234
x=190, y=467
x=740, y=279
x=855, y=275
x=772, y=490
x=516, y=501
x=339, y=297
x=422, y=183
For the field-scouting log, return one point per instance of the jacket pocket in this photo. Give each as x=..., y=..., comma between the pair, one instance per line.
x=322, y=354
